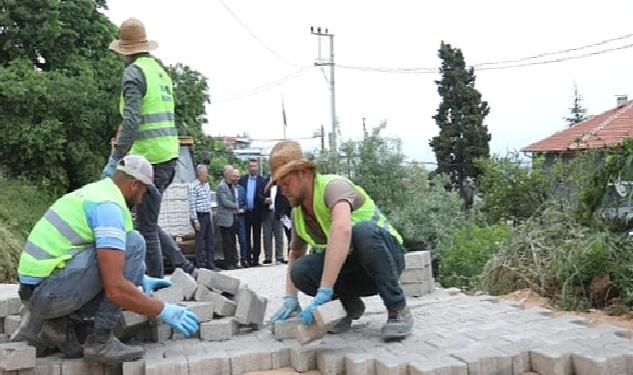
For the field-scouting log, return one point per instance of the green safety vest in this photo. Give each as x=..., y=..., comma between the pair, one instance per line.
x=63, y=231
x=156, y=137
x=367, y=212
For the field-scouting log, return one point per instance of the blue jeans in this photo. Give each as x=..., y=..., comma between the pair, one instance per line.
x=372, y=267
x=77, y=288
x=240, y=229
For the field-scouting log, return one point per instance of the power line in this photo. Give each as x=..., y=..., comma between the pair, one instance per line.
x=252, y=34
x=261, y=88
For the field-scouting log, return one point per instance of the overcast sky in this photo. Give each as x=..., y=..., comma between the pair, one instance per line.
x=527, y=103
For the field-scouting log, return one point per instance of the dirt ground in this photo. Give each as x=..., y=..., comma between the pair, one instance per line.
x=529, y=299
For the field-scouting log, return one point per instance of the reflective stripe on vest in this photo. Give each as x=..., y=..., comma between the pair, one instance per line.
x=367, y=212
x=156, y=137
x=63, y=231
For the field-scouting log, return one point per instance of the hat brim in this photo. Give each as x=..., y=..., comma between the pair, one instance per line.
x=132, y=49
x=293, y=166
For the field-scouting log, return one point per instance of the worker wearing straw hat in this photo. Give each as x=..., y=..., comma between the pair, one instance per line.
x=356, y=252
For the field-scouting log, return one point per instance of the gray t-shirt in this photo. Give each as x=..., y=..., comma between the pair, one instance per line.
x=337, y=190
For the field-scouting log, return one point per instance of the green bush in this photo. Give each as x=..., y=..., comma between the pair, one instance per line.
x=465, y=255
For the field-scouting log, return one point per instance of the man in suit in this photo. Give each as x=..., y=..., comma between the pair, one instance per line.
x=272, y=226
x=253, y=183
x=227, y=209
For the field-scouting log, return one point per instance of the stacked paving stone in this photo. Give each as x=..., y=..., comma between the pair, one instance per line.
x=174, y=211
x=417, y=277
x=222, y=307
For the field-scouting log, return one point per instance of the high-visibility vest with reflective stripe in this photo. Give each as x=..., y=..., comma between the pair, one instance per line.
x=63, y=231
x=156, y=137
x=367, y=212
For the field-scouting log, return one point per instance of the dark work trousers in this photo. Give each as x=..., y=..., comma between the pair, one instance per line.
x=272, y=228
x=253, y=229
x=157, y=241
x=228, y=247
x=77, y=288
x=373, y=266
x=204, y=241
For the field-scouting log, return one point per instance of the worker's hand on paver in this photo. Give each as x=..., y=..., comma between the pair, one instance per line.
x=180, y=318
x=323, y=295
x=109, y=169
x=289, y=308
x=151, y=284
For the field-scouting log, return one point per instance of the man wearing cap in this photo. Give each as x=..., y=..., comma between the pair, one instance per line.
x=357, y=253
x=148, y=129
x=83, y=262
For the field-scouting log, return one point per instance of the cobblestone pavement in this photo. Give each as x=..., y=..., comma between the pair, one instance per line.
x=454, y=334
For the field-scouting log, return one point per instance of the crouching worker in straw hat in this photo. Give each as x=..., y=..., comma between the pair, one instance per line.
x=83, y=262
x=357, y=252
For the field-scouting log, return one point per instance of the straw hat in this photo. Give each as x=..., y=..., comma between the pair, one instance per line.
x=287, y=157
x=132, y=39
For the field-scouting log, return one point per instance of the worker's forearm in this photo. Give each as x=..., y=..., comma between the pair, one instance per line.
x=291, y=290
x=129, y=297
x=336, y=254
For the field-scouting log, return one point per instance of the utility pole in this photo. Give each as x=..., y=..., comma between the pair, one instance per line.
x=322, y=139
x=330, y=63
x=364, y=129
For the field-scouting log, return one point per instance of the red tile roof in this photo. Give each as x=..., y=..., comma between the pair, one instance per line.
x=604, y=130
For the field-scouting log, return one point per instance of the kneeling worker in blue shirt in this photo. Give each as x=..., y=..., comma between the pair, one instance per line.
x=83, y=262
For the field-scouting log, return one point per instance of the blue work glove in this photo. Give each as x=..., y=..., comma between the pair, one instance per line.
x=288, y=309
x=150, y=284
x=323, y=295
x=180, y=318
x=109, y=169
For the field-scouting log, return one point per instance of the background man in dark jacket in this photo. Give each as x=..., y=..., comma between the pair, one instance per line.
x=253, y=183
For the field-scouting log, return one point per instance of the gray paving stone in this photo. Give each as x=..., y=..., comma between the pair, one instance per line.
x=303, y=359
x=16, y=356
x=222, y=305
x=51, y=365
x=416, y=289
x=329, y=313
x=280, y=356
x=286, y=329
x=308, y=334
x=203, y=310
x=161, y=332
x=593, y=363
x=14, y=305
x=419, y=275
x=553, y=359
x=77, y=366
x=134, y=368
x=331, y=361
x=440, y=366
x=360, y=364
x=389, y=365
x=11, y=323
x=209, y=363
x=486, y=360
x=417, y=259
x=218, y=330
x=250, y=360
x=167, y=366
x=172, y=294
x=202, y=294
x=250, y=308
x=185, y=281
x=220, y=281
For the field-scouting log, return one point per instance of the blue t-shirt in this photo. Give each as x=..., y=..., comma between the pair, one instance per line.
x=107, y=222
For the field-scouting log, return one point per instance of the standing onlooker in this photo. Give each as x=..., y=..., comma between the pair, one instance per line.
x=272, y=227
x=254, y=186
x=227, y=208
x=282, y=212
x=199, y=196
x=240, y=228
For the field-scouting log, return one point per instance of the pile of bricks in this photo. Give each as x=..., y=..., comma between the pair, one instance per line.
x=222, y=306
x=417, y=277
x=10, y=308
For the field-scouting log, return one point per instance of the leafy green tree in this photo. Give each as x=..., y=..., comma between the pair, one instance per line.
x=57, y=76
x=577, y=113
x=460, y=116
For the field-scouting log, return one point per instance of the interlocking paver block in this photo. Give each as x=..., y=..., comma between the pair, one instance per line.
x=202, y=294
x=217, y=280
x=11, y=323
x=51, y=365
x=307, y=334
x=447, y=365
x=331, y=361
x=250, y=308
x=286, y=329
x=303, y=359
x=203, y=310
x=549, y=360
x=417, y=259
x=485, y=360
x=222, y=305
x=416, y=289
x=14, y=305
x=218, y=330
x=250, y=360
x=185, y=281
x=329, y=313
x=387, y=365
x=16, y=356
x=172, y=294
x=161, y=332
x=416, y=275
x=167, y=366
x=280, y=356
x=134, y=368
x=77, y=366
x=215, y=363
x=360, y=364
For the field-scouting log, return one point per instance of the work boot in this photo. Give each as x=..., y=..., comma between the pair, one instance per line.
x=355, y=308
x=105, y=348
x=399, y=323
x=28, y=331
x=60, y=332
